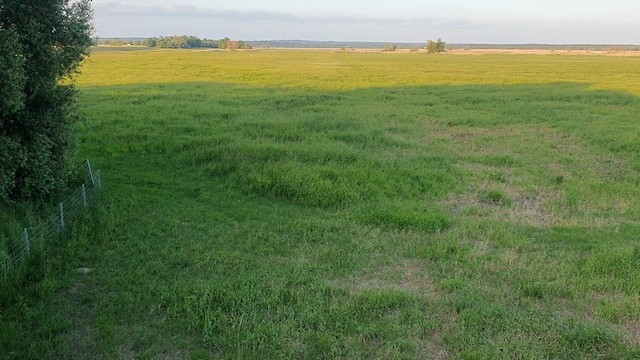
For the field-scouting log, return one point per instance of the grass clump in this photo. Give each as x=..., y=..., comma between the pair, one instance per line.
x=401, y=217
x=532, y=289
x=587, y=338
x=495, y=197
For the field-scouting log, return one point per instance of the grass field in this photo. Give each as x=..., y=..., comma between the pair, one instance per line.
x=315, y=204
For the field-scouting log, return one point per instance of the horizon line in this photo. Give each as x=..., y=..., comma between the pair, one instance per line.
x=381, y=41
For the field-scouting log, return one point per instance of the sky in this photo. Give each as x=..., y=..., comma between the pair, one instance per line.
x=455, y=21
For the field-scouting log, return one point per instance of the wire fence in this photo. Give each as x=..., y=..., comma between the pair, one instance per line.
x=68, y=212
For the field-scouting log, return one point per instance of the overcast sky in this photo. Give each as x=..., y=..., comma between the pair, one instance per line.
x=456, y=21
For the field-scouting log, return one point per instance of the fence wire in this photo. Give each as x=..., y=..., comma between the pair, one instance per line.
x=67, y=213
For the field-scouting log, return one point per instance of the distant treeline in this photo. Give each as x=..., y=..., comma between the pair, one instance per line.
x=176, y=42
x=305, y=44
x=413, y=45
x=190, y=42
x=186, y=42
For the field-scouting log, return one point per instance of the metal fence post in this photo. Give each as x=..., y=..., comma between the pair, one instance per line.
x=90, y=190
x=61, y=217
x=26, y=242
x=90, y=172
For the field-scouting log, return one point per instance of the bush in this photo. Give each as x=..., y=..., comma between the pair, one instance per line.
x=390, y=47
x=435, y=47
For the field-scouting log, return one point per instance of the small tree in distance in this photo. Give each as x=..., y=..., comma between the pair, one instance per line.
x=436, y=47
x=390, y=47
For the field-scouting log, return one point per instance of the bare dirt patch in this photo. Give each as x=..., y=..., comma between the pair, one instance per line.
x=433, y=348
x=527, y=208
x=631, y=332
x=81, y=339
x=530, y=165
x=406, y=276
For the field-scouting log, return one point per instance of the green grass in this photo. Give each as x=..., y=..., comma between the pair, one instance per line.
x=311, y=204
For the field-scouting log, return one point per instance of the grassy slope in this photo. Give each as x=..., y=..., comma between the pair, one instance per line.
x=316, y=204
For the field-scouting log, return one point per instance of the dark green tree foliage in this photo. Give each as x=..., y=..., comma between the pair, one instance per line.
x=180, y=42
x=42, y=43
x=191, y=42
x=224, y=43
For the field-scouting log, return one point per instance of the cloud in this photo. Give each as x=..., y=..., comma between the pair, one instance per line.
x=108, y=8
x=118, y=18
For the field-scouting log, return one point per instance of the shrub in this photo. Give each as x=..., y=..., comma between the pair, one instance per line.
x=42, y=43
x=435, y=47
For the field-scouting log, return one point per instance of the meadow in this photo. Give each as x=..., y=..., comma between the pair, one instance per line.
x=319, y=204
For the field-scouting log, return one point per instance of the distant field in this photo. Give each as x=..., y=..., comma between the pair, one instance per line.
x=97, y=49
x=317, y=204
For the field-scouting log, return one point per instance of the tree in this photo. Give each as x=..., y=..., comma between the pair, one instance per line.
x=223, y=43
x=189, y=42
x=435, y=47
x=244, y=46
x=390, y=47
x=193, y=42
x=42, y=43
x=151, y=42
x=208, y=43
x=232, y=45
